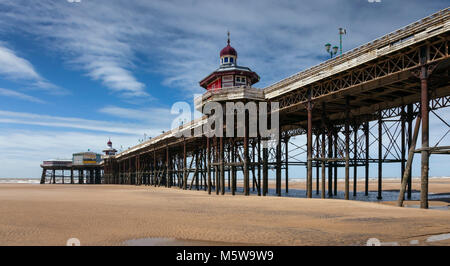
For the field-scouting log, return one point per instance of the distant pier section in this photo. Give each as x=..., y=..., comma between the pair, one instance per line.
x=83, y=168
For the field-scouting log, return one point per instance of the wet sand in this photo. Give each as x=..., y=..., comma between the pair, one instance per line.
x=114, y=214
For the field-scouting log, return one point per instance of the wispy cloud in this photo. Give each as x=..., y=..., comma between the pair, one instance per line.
x=157, y=117
x=94, y=37
x=15, y=67
x=19, y=95
x=135, y=129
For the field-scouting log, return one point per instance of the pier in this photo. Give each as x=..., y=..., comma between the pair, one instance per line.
x=390, y=86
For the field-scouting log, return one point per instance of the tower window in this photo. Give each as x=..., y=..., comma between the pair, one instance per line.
x=231, y=59
x=226, y=59
x=238, y=79
x=221, y=60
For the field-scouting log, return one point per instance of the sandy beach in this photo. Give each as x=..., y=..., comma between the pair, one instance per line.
x=34, y=214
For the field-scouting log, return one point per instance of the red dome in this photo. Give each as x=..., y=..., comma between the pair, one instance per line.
x=109, y=143
x=228, y=50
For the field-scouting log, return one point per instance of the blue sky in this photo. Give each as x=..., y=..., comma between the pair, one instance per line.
x=74, y=74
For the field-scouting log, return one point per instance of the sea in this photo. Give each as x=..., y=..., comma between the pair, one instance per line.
x=5, y=180
x=20, y=180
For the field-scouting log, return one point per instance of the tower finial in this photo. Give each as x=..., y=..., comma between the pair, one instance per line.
x=228, y=41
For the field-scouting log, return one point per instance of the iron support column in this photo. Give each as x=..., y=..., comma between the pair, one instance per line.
x=309, y=148
x=265, y=169
x=380, y=155
x=366, y=135
x=222, y=168
x=424, y=110
x=355, y=159
x=323, y=164
x=347, y=148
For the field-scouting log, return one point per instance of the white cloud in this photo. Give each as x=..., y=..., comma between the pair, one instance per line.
x=17, y=68
x=93, y=37
x=157, y=117
x=23, y=118
x=19, y=95
x=116, y=78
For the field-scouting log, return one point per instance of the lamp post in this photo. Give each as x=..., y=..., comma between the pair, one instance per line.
x=342, y=31
x=330, y=50
x=333, y=51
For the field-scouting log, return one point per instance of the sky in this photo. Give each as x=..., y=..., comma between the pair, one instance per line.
x=74, y=74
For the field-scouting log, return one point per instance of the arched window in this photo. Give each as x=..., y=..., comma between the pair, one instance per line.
x=231, y=59
x=226, y=59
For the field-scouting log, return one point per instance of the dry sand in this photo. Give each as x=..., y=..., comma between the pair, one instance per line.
x=33, y=214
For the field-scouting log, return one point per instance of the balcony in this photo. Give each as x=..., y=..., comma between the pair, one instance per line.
x=233, y=94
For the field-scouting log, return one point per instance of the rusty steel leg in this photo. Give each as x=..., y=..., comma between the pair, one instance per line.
x=335, y=140
x=355, y=159
x=229, y=168
x=347, y=149
x=233, y=169
x=91, y=177
x=402, y=140
x=259, y=166
x=167, y=168
x=80, y=177
x=208, y=163
x=154, y=169
x=265, y=169
x=129, y=173
x=412, y=147
x=317, y=164
x=309, y=149
x=253, y=166
x=380, y=156
x=246, y=157
x=330, y=169
x=216, y=167
x=185, y=165
x=424, y=111
x=137, y=170
x=197, y=169
x=222, y=168
x=44, y=171
x=286, y=164
x=323, y=164
x=410, y=124
x=366, y=164
x=278, y=161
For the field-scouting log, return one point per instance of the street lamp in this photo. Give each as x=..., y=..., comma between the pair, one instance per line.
x=335, y=49
x=330, y=50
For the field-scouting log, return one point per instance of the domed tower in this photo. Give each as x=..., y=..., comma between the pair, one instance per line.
x=109, y=150
x=229, y=74
x=228, y=55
